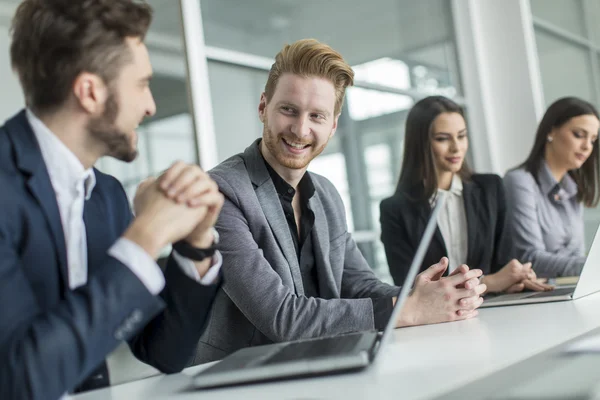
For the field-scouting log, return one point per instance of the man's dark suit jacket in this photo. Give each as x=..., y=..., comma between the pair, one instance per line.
x=403, y=221
x=51, y=338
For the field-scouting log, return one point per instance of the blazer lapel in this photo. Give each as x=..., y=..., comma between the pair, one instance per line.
x=328, y=287
x=42, y=190
x=424, y=211
x=424, y=215
x=29, y=160
x=97, y=230
x=470, y=195
x=269, y=202
x=437, y=241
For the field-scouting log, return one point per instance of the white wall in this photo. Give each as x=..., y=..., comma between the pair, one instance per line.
x=235, y=95
x=501, y=79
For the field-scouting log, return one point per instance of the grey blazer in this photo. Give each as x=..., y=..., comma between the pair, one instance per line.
x=546, y=222
x=262, y=298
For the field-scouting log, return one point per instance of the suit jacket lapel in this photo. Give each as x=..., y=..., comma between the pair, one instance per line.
x=271, y=206
x=424, y=211
x=424, y=215
x=29, y=160
x=470, y=194
x=437, y=241
x=320, y=238
x=96, y=229
x=42, y=190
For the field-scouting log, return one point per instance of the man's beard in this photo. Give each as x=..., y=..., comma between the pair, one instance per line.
x=272, y=144
x=104, y=130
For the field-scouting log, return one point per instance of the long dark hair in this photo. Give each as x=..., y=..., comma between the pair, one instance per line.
x=418, y=168
x=586, y=177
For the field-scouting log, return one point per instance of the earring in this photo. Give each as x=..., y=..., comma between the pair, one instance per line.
x=550, y=139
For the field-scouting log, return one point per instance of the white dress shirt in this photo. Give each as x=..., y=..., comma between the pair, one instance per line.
x=73, y=185
x=452, y=221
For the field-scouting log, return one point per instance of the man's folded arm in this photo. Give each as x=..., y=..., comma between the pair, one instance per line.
x=44, y=354
x=169, y=341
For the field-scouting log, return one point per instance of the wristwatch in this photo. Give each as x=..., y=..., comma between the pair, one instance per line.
x=194, y=253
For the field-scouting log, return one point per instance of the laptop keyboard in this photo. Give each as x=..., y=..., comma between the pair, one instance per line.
x=552, y=293
x=316, y=348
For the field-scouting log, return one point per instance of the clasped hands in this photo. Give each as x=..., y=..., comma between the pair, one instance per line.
x=435, y=298
x=182, y=203
x=514, y=277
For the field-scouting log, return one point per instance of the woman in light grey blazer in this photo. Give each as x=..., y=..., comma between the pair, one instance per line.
x=546, y=193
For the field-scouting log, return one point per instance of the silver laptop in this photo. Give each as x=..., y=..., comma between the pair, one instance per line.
x=315, y=356
x=589, y=282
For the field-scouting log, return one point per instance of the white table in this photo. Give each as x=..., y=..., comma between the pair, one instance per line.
x=422, y=362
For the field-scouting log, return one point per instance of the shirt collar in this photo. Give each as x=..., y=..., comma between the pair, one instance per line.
x=285, y=190
x=64, y=168
x=456, y=188
x=549, y=186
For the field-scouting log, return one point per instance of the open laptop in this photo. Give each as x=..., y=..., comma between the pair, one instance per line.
x=588, y=283
x=315, y=356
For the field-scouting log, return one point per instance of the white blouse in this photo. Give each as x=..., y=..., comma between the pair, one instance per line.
x=452, y=221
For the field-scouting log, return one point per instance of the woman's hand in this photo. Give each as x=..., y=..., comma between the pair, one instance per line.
x=510, y=278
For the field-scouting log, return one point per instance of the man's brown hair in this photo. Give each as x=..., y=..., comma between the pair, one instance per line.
x=307, y=58
x=53, y=41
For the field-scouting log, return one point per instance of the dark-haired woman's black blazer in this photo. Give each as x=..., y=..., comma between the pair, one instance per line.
x=403, y=220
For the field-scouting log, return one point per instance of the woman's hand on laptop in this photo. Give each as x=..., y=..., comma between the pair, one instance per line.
x=536, y=285
x=436, y=299
x=514, y=277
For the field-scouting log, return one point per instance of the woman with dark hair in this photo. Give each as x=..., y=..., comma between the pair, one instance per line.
x=546, y=193
x=471, y=227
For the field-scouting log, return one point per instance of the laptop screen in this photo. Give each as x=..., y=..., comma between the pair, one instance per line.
x=414, y=269
x=589, y=280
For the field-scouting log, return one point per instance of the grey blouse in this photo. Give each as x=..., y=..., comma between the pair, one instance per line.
x=546, y=222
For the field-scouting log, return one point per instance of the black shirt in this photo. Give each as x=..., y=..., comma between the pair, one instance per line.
x=382, y=307
x=302, y=241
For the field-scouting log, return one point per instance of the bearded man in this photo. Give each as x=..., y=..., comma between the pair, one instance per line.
x=77, y=271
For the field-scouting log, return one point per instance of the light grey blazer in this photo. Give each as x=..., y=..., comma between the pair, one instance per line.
x=262, y=298
x=546, y=222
